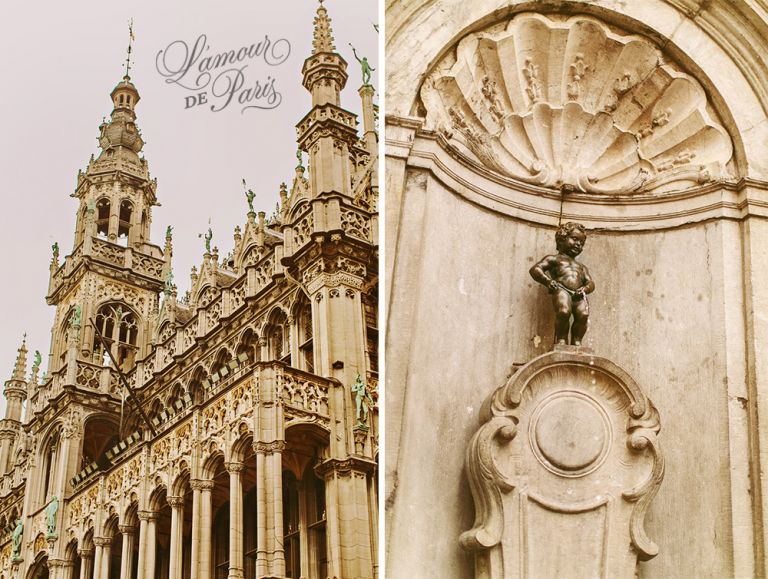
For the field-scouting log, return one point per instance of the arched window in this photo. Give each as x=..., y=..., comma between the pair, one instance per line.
x=248, y=347
x=49, y=466
x=124, y=223
x=318, y=543
x=99, y=435
x=279, y=338
x=118, y=325
x=291, y=537
x=306, y=343
x=102, y=217
x=371, y=310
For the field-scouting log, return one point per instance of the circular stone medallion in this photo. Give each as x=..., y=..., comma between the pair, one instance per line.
x=570, y=434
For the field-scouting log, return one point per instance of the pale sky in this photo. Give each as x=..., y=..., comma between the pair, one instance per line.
x=60, y=61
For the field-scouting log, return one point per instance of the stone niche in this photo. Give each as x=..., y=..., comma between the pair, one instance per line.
x=562, y=472
x=556, y=100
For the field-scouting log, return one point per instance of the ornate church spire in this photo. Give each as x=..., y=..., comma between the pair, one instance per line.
x=323, y=36
x=325, y=71
x=20, y=368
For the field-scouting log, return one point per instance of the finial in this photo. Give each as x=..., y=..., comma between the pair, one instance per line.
x=21, y=360
x=131, y=38
x=323, y=38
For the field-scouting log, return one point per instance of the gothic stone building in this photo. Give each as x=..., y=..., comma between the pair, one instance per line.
x=253, y=460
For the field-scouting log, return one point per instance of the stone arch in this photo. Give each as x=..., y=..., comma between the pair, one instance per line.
x=175, y=395
x=277, y=333
x=125, y=218
x=101, y=217
x=242, y=445
x=220, y=360
x=732, y=73
x=248, y=345
x=121, y=326
x=101, y=432
x=196, y=389
x=48, y=459
x=213, y=459
x=39, y=567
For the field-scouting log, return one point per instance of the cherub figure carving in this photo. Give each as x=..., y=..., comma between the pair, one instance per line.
x=568, y=281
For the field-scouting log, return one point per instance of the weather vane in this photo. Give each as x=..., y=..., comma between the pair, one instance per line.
x=131, y=38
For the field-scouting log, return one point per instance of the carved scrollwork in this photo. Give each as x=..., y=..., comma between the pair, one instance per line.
x=560, y=428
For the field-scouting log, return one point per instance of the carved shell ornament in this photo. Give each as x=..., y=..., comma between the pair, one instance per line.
x=556, y=102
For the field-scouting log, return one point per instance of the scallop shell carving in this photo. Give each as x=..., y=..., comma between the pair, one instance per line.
x=571, y=102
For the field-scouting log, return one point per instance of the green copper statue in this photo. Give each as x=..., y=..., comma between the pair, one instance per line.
x=250, y=195
x=363, y=401
x=74, y=321
x=366, y=68
x=16, y=539
x=169, y=232
x=208, y=237
x=36, y=363
x=299, y=158
x=169, y=281
x=50, y=516
x=55, y=249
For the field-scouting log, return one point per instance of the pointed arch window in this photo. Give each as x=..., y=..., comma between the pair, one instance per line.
x=49, y=466
x=124, y=223
x=370, y=312
x=102, y=217
x=291, y=535
x=279, y=338
x=118, y=324
x=306, y=342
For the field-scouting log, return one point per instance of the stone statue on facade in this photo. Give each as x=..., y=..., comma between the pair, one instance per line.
x=363, y=402
x=16, y=540
x=568, y=281
x=366, y=67
x=50, y=516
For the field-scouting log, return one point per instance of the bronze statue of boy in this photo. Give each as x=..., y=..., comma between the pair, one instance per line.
x=568, y=281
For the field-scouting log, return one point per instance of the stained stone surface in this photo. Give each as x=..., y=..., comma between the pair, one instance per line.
x=682, y=285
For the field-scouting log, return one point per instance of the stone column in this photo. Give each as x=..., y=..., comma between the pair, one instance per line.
x=143, y=529
x=262, y=565
x=177, y=536
x=277, y=502
x=106, y=557
x=269, y=492
x=235, y=520
x=99, y=550
x=86, y=563
x=151, y=546
x=206, y=526
x=126, y=561
x=196, y=516
x=349, y=529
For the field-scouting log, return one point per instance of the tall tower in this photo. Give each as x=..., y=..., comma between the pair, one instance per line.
x=331, y=238
x=109, y=285
x=113, y=274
